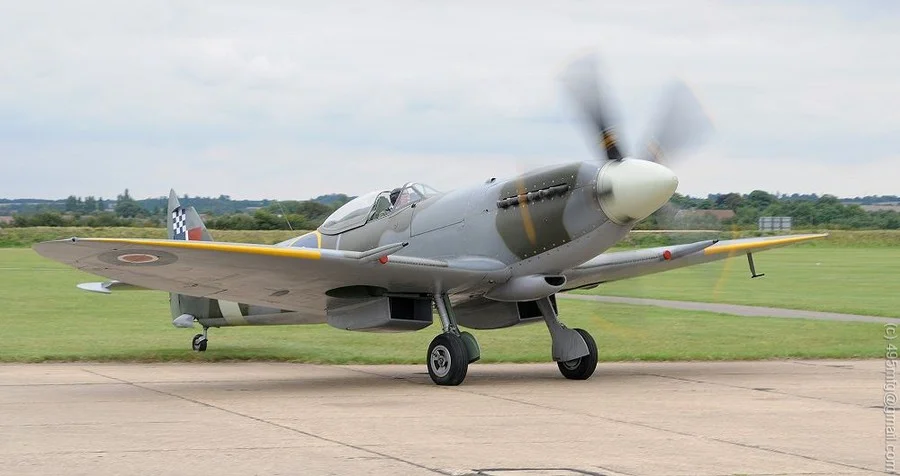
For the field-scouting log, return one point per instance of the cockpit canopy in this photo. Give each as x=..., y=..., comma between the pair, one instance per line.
x=374, y=205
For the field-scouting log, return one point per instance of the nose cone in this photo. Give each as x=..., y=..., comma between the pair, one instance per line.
x=631, y=189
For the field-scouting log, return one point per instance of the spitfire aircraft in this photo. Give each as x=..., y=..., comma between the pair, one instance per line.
x=489, y=256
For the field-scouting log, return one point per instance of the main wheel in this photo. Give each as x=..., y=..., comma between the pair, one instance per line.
x=447, y=359
x=198, y=343
x=582, y=367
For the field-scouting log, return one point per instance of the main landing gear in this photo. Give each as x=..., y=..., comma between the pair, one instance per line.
x=198, y=343
x=574, y=350
x=451, y=352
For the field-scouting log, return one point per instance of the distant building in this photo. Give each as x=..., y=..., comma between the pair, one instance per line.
x=775, y=223
x=6, y=219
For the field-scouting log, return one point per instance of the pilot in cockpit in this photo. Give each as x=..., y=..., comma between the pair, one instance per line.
x=397, y=198
x=383, y=206
x=395, y=194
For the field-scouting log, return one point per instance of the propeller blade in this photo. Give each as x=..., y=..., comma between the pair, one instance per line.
x=583, y=84
x=680, y=125
x=668, y=217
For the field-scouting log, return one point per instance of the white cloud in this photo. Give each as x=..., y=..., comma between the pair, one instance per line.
x=292, y=99
x=713, y=172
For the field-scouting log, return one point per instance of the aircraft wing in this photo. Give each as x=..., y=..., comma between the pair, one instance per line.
x=633, y=263
x=286, y=278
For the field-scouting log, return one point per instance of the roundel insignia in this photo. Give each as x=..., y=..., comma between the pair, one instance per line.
x=137, y=258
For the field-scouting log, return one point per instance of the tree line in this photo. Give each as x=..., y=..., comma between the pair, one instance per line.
x=807, y=211
x=126, y=211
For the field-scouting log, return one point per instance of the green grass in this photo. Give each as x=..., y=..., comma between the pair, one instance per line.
x=46, y=318
x=848, y=280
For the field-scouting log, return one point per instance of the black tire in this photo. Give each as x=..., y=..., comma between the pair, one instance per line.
x=583, y=367
x=447, y=360
x=198, y=343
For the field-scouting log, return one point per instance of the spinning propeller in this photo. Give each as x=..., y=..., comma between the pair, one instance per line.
x=679, y=124
x=631, y=188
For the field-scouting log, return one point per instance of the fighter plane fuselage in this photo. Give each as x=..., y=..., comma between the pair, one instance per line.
x=543, y=221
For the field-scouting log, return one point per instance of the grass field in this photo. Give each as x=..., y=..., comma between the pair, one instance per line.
x=46, y=318
x=848, y=280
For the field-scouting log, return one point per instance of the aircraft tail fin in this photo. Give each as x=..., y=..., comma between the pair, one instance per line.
x=184, y=223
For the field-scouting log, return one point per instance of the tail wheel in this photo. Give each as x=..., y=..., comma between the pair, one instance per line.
x=583, y=367
x=447, y=359
x=198, y=343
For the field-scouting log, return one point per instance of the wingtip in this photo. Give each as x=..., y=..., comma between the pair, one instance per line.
x=42, y=244
x=813, y=236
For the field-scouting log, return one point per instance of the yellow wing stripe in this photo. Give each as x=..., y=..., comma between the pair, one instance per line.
x=752, y=245
x=301, y=253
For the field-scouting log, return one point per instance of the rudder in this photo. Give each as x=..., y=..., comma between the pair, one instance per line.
x=184, y=223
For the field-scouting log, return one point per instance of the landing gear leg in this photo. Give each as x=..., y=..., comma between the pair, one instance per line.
x=198, y=343
x=574, y=350
x=450, y=352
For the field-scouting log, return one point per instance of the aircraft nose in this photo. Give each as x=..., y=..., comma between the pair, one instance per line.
x=632, y=189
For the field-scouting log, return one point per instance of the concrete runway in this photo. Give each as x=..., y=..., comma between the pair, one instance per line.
x=717, y=418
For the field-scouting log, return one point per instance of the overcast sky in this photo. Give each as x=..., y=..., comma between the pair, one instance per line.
x=292, y=99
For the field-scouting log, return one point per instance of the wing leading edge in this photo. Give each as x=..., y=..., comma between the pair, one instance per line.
x=633, y=263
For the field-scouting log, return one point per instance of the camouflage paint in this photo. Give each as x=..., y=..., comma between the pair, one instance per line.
x=536, y=226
